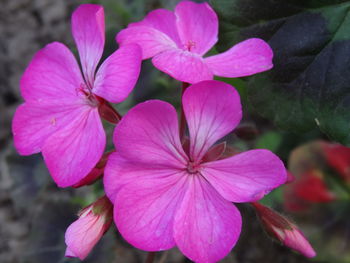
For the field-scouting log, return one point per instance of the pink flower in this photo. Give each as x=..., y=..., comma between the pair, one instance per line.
x=283, y=230
x=82, y=235
x=60, y=116
x=178, y=40
x=166, y=196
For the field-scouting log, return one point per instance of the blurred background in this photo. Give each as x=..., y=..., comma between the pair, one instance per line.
x=34, y=213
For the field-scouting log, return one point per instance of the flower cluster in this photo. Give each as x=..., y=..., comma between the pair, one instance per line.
x=165, y=189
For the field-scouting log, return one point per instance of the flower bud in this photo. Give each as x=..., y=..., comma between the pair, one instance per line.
x=83, y=234
x=283, y=230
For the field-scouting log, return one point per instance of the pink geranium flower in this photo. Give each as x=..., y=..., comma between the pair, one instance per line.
x=165, y=195
x=60, y=116
x=178, y=40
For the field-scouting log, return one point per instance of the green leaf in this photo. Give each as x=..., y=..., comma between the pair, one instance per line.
x=309, y=86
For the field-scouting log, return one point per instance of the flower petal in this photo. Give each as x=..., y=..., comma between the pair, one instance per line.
x=118, y=74
x=151, y=40
x=162, y=20
x=206, y=226
x=72, y=152
x=52, y=74
x=88, y=28
x=182, y=65
x=247, y=176
x=197, y=25
x=246, y=58
x=144, y=211
x=212, y=109
x=83, y=234
x=149, y=133
x=34, y=122
x=120, y=171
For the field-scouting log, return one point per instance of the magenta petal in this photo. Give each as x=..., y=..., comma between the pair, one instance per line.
x=206, y=225
x=119, y=172
x=118, y=74
x=247, y=176
x=72, y=152
x=246, y=58
x=145, y=209
x=197, y=25
x=212, y=109
x=88, y=28
x=53, y=73
x=182, y=65
x=34, y=122
x=162, y=20
x=149, y=133
x=151, y=40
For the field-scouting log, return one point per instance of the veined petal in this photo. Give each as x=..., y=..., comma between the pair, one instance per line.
x=197, y=25
x=246, y=177
x=120, y=171
x=182, y=65
x=144, y=211
x=206, y=226
x=34, y=122
x=212, y=109
x=72, y=152
x=246, y=58
x=88, y=28
x=118, y=74
x=149, y=133
x=162, y=20
x=151, y=40
x=52, y=74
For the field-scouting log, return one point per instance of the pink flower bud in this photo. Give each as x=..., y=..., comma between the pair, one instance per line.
x=283, y=230
x=83, y=234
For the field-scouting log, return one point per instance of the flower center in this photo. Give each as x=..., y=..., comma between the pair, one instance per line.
x=193, y=168
x=87, y=94
x=189, y=45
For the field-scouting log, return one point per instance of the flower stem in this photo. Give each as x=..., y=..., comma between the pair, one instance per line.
x=182, y=117
x=150, y=257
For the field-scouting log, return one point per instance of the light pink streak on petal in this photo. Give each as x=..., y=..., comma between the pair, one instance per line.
x=246, y=58
x=197, y=25
x=72, y=152
x=88, y=28
x=151, y=40
x=34, y=122
x=206, y=226
x=118, y=74
x=162, y=20
x=52, y=74
x=83, y=234
x=296, y=240
x=120, y=171
x=145, y=209
x=212, y=109
x=182, y=65
x=246, y=177
x=149, y=133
